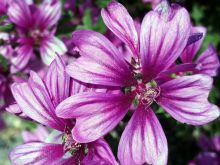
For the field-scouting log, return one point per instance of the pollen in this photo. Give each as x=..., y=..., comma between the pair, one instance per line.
x=146, y=94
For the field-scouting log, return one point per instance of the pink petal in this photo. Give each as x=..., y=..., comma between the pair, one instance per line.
x=118, y=20
x=48, y=14
x=57, y=81
x=19, y=62
x=34, y=100
x=208, y=62
x=100, y=152
x=50, y=47
x=36, y=153
x=96, y=113
x=39, y=135
x=101, y=63
x=20, y=14
x=143, y=140
x=164, y=34
x=16, y=110
x=185, y=99
x=191, y=50
x=78, y=87
x=181, y=68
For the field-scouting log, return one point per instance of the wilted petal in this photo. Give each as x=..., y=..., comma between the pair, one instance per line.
x=100, y=63
x=100, y=152
x=50, y=47
x=118, y=20
x=185, y=99
x=20, y=14
x=57, y=81
x=36, y=154
x=190, y=51
x=48, y=14
x=33, y=99
x=96, y=113
x=24, y=54
x=164, y=34
x=208, y=62
x=143, y=140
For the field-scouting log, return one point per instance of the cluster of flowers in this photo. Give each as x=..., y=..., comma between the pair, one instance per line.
x=155, y=62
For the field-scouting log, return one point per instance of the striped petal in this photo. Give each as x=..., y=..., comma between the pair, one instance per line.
x=186, y=99
x=164, y=35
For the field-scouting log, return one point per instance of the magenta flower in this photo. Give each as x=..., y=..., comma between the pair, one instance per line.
x=33, y=25
x=38, y=99
x=163, y=36
x=208, y=62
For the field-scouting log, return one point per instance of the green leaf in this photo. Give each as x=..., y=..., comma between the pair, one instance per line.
x=102, y=3
x=7, y=28
x=3, y=63
x=87, y=19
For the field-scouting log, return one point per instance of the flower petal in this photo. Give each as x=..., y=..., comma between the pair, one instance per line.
x=57, y=81
x=20, y=14
x=191, y=50
x=208, y=62
x=36, y=153
x=185, y=99
x=100, y=152
x=118, y=20
x=24, y=54
x=96, y=113
x=143, y=140
x=39, y=135
x=34, y=101
x=48, y=14
x=51, y=47
x=164, y=34
x=100, y=63
x=16, y=110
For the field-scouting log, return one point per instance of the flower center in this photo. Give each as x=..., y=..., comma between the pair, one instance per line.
x=73, y=147
x=36, y=35
x=147, y=93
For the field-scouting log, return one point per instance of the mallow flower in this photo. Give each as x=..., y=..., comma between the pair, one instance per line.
x=35, y=26
x=163, y=36
x=38, y=99
x=208, y=62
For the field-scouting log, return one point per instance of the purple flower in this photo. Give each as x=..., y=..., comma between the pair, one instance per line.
x=210, y=151
x=3, y=7
x=37, y=99
x=163, y=36
x=207, y=62
x=33, y=25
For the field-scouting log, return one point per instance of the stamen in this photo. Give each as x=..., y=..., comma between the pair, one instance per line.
x=73, y=147
x=147, y=93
